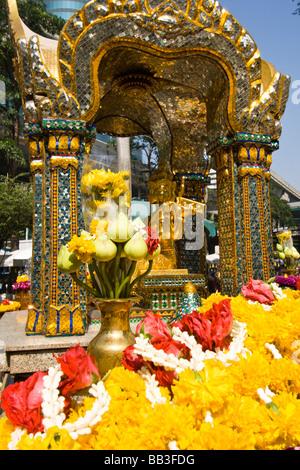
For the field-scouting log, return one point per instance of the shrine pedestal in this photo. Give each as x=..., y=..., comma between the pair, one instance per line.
x=162, y=290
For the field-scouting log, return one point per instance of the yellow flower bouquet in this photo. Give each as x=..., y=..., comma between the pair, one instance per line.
x=113, y=244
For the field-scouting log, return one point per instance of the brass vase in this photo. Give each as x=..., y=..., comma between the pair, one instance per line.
x=115, y=333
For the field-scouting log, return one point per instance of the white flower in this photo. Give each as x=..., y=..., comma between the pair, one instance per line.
x=15, y=438
x=273, y=350
x=159, y=357
x=94, y=415
x=265, y=395
x=208, y=418
x=173, y=445
x=153, y=393
x=53, y=405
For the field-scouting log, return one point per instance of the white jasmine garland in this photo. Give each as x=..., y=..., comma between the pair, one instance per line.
x=173, y=445
x=94, y=415
x=153, y=393
x=53, y=404
x=209, y=419
x=273, y=350
x=265, y=395
x=277, y=291
x=159, y=357
x=15, y=438
x=236, y=347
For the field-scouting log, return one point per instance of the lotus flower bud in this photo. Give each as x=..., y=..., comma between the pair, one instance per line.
x=288, y=252
x=281, y=255
x=279, y=247
x=136, y=248
x=120, y=230
x=105, y=248
x=295, y=253
x=67, y=262
x=155, y=254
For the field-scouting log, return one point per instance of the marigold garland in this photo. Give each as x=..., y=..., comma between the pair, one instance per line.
x=249, y=403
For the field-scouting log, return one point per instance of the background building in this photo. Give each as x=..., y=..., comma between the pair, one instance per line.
x=65, y=9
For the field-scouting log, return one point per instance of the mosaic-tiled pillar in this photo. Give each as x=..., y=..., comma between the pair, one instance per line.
x=253, y=174
x=39, y=266
x=57, y=302
x=242, y=164
x=230, y=236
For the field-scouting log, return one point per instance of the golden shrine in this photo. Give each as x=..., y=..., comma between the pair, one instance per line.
x=184, y=72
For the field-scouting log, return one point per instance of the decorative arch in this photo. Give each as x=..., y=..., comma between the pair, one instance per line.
x=185, y=72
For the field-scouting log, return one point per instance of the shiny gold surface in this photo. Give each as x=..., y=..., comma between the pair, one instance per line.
x=190, y=288
x=115, y=333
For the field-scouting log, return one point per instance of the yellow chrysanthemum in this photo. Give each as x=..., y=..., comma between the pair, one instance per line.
x=106, y=181
x=6, y=428
x=283, y=237
x=98, y=227
x=83, y=248
x=205, y=390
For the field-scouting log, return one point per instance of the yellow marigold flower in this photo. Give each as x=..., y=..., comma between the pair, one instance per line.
x=222, y=437
x=249, y=374
x=124, y=384
x=6, y=428
x=204, y=390
x=82, y=247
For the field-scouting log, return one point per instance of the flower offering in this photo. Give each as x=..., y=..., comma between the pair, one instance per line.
x=224, y=378
x=113, y=244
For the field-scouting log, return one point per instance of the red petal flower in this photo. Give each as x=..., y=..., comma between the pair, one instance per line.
x=152, y=241
x=130, y=360
x=78, y=368
x=153, y=326
x=22, y=402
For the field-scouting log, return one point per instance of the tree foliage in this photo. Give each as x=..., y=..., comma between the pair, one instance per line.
x=13, y=158
x=16, y=209
x=281, y=212
x=297, y=11
x=16, y=198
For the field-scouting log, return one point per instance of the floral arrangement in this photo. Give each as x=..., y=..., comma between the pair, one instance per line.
x=226, y=377
x=22, y=283
x=286, y=251
x=9, y=306
x=113, y=245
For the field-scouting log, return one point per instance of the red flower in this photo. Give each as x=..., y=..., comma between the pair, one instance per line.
x=153, y=326
x=298, y=283
x=22, y=402
x=79, y=368
x=6, y=302
x=221, y=322
x=152, y=241
x=164, y=377
x=212, y=328
x=257, y=291
x=130, y=360
x=196, y=325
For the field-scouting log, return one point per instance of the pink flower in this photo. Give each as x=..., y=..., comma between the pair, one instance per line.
x=22, y=402
x=258, y=291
